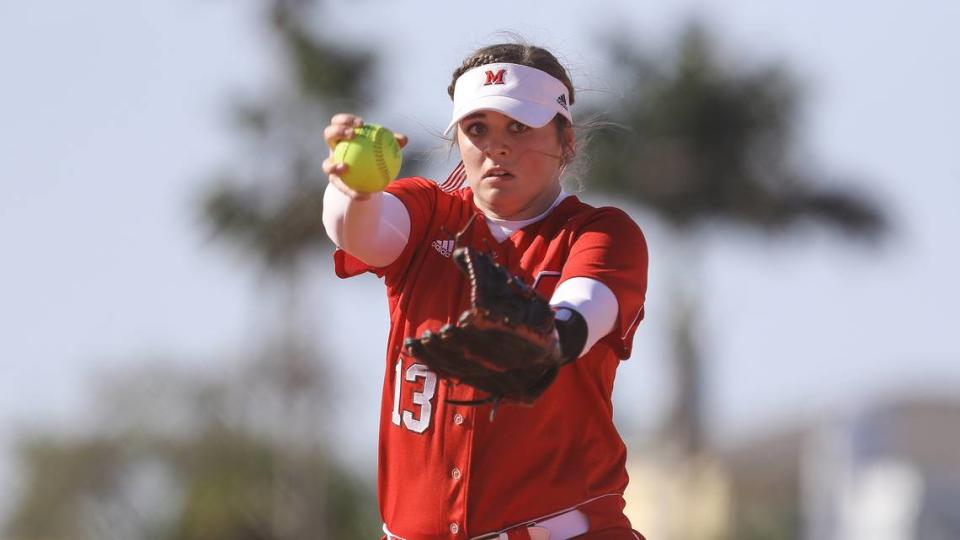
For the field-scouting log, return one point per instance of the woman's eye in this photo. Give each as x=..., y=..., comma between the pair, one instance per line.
x=518, y=127
x=476, y=129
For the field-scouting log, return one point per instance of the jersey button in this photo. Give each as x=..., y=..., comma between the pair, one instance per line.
x=454, y=528
x=455, y=473
x=458, y=419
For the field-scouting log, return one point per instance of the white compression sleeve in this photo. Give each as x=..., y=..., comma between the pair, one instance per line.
x=591, y=299
x=374, y=230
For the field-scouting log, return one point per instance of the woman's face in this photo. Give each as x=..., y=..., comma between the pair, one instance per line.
x=513, y=169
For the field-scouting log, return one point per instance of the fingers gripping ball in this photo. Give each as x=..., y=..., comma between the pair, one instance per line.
x=372, y=156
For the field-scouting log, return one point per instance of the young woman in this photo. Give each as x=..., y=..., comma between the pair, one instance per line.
x=553, y=470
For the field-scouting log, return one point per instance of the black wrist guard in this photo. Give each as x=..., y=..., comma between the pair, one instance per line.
x=572, y=331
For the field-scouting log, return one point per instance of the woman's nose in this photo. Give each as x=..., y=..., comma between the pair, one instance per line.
x=497, y=146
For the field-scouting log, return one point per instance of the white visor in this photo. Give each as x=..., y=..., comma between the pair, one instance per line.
x=523, y=93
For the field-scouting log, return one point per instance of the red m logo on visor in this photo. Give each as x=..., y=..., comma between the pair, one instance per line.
x=495, y=78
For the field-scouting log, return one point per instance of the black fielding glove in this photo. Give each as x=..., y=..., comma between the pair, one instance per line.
x=507, y=343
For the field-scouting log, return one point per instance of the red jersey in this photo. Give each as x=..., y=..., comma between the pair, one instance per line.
x=450, y=471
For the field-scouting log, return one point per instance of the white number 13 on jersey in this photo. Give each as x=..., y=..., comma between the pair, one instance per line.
x=420, y=423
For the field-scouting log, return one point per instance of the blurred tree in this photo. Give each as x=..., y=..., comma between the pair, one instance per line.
x=183, y=458
x=271, y=203
x=271, y=206
x=709, y=143
x=232, y=458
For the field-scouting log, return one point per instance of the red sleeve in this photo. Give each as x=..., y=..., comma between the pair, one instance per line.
x=419, y=196
x=611, y=248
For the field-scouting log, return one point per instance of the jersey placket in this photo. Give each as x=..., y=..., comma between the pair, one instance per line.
x=464, y=418
x=460, y=432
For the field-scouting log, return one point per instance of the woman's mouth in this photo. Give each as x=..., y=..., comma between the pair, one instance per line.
x=497, y=173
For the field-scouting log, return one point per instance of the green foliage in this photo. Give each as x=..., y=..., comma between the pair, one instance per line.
x=759, y=521
x=215, y=477
x=270, y=201
x=58, y=474
x=706, y=141
x=324, y=72
x=278, y=229
x=187, y=458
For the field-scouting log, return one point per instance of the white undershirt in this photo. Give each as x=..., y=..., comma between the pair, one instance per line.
x=501, y=229
x=376, y=231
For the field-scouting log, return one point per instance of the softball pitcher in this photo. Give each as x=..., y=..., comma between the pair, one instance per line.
x=511, y=305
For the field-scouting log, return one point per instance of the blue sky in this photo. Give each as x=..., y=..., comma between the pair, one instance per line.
x=113, y=118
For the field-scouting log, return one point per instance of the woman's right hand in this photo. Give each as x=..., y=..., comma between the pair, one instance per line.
x=341, y=129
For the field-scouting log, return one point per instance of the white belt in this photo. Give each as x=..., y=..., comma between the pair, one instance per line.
x=560, y=527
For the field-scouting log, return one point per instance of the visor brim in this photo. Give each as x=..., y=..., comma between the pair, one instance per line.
x=530, y=113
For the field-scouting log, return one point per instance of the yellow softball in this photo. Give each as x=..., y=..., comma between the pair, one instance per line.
x=372, y=156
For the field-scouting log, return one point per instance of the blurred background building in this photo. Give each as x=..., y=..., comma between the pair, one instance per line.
x=889, y=471
x=178, y=360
